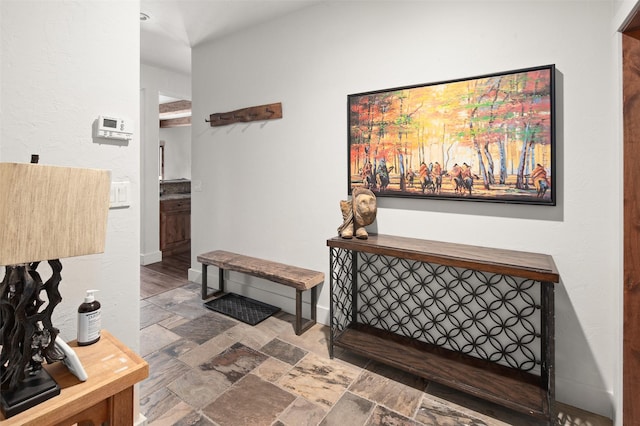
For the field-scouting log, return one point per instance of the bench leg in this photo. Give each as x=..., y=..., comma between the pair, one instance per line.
x=300, y=328
x=205, y=289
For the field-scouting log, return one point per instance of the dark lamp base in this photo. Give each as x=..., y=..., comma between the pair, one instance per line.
x=30, y=392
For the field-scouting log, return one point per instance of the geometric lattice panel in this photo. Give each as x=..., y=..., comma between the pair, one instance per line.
x=488, y=316
x=341, y=290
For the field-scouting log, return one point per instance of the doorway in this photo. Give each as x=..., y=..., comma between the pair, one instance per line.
x=174, y=158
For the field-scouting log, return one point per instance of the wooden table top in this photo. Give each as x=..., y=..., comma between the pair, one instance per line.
x=535, y=266
x=111, y=368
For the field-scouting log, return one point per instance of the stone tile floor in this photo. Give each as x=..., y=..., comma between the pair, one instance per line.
x=208, y=369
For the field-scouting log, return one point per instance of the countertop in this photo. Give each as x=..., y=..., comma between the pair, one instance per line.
x=175, y=189
x=167, y=197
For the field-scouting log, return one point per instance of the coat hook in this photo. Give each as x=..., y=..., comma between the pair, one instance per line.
x=261, y=112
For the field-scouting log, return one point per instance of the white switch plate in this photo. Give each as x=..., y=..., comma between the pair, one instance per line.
x=119, y=196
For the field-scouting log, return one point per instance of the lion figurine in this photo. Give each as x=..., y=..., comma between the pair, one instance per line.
x=357, y=213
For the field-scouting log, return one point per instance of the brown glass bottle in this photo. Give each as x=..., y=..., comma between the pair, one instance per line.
x=89, y=320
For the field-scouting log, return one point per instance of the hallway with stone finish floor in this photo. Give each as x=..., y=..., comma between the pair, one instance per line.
x=209, y=369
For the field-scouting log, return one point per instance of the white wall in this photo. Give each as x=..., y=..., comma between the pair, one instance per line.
x=177, y=152
x=55, y=82
x=272, y=189
x=153, y=82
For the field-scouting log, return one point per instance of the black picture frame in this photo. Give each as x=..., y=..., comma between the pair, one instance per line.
x=483, y=138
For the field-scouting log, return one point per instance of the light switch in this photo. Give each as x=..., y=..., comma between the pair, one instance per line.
x=119, y=194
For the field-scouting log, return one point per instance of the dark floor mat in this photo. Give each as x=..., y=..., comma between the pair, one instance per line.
x=242, y=308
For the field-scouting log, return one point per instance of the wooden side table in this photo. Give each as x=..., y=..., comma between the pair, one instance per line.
x=107, y=395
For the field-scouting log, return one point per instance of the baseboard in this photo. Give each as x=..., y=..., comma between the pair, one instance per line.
x=141, y=421
x=149, y=258
x=323, y=315
x=194, y=275
x=584, y=397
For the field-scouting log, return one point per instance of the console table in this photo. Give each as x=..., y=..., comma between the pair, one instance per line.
x=476, y=319
x=106, y=396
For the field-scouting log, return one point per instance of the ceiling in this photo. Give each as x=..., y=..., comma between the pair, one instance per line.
x=175, y=26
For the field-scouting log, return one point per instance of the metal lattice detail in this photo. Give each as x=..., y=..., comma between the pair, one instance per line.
x=488, y=316
x=341, y=294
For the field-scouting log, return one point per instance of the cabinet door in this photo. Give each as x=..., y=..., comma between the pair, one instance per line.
x=177, y=227
x=175, y=224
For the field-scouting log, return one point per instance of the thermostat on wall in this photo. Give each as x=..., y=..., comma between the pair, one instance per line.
x=114, y=128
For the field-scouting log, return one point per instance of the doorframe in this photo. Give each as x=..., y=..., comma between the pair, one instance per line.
x=631, y=214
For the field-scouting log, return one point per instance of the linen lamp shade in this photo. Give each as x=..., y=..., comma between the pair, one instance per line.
x=51, y=212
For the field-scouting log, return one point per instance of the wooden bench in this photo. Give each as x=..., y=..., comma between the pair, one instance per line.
x=299, y=278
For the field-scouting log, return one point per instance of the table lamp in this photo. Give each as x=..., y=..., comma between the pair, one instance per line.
x=46, y=213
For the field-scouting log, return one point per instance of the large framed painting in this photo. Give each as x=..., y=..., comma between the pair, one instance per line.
x=485, y=138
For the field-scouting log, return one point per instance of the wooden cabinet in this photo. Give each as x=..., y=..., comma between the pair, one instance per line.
x=175, y=225
x=476, y=319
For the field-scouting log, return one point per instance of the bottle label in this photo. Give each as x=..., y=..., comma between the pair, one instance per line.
x=89, y=325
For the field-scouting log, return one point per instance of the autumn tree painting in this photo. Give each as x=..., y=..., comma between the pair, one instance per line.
x=485, y=138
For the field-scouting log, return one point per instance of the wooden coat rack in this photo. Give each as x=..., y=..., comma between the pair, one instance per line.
x=245, y=115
